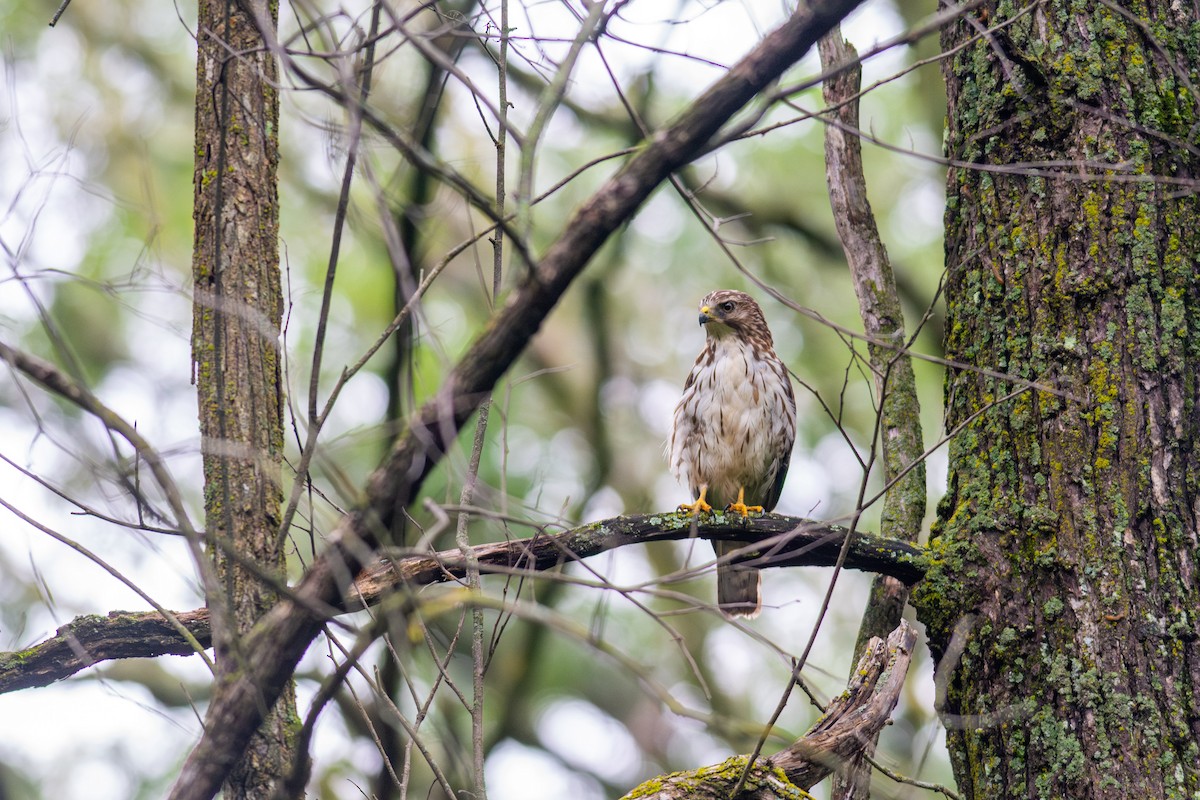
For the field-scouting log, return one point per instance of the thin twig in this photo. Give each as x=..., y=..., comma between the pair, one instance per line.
x=62, y=7
x=547, y=104
x=316, y=420
x=55, y=380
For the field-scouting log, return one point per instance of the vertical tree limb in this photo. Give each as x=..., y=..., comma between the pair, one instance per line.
x=235, y=349
x=883, y=320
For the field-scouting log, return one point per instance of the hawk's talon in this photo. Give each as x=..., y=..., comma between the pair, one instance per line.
x=739, y=506
x=743, y=510
x=699, y=507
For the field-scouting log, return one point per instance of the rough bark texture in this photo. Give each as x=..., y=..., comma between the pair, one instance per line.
x=235, y=341
x=1062, y=595
x=90, y=639
x=878, y=301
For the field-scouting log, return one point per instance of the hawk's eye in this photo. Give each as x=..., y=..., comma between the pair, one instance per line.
x=727, y=306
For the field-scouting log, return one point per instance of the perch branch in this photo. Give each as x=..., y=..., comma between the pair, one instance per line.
x=775, y=541
x=838, y=737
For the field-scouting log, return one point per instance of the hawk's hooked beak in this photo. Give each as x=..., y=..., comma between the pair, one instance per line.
x=704, y=317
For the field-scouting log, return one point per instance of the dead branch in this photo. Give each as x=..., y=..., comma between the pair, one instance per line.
x=899, y=434
x=776, y=541
x=851, y=721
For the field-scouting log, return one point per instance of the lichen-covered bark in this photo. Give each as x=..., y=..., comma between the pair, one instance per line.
x=235, y=341
x=1062, y=598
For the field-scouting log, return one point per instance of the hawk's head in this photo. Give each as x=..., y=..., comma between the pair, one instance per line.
x=726, y=311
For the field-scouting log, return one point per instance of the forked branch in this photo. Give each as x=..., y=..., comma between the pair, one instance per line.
x=851, y=721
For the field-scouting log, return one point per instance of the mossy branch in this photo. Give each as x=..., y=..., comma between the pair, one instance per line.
x=772, y=540
x=91, y=639
x=838, y=737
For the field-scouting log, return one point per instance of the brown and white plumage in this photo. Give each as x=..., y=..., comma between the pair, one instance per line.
x=731, y=439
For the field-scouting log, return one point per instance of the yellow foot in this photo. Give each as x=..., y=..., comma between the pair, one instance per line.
x=701, y=505
x=743, y=509
x=698, y=507
x=740, y=507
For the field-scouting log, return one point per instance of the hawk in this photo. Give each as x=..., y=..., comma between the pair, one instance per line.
x=732, y=433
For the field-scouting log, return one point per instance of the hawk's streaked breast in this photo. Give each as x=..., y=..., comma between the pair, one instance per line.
x=733, y=429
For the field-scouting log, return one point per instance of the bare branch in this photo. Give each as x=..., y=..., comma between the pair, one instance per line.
x=777, y=541
x=90, y=639
x=855, y=717
x=898, y=427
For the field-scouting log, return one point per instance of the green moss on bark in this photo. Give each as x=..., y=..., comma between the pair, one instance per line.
x=1062, y=587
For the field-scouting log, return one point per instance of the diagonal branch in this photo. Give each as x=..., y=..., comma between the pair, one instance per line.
x=775, y=541
x=856, y=716
x=280, y=639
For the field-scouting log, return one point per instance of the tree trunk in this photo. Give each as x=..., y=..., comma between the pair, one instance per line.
x=1061, y=601
x=235, y=342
